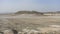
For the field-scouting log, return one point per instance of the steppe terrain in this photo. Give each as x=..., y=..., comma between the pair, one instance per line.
x=29, y=22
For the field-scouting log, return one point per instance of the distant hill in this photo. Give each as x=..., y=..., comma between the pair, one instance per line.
x=56, y=12
x=28, y=12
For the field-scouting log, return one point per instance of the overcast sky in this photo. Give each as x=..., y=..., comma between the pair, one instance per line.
x=7, y=6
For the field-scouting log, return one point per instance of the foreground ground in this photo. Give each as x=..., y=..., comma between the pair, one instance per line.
x=30, y=23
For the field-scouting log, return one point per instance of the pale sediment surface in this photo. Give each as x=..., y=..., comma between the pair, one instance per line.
x=21, y=22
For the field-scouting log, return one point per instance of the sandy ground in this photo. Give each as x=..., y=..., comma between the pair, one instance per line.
x=20, y=22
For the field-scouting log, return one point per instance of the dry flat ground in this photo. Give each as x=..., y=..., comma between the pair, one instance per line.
x=23, y=22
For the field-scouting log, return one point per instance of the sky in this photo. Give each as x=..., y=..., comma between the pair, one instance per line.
x=10, y=6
